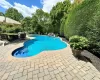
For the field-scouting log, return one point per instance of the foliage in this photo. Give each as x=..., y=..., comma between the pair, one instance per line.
x=78, y=42
x=57, y=13
x=43, y=20
x=26, y=24
x=62, y=25
x=84, y=20
x=36, y=27
x=1, y=14
x=40, y=21
x=6, y=28
x=13, y=14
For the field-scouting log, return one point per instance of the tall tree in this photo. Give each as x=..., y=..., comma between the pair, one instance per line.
x=42, y=19
x=26, y=24
x=13, y=14
x=57, y=13
x=36, y=27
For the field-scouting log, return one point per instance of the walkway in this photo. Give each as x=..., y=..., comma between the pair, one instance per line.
x=48, y=65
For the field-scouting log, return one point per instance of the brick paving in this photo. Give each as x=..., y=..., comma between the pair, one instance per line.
x=48, y=65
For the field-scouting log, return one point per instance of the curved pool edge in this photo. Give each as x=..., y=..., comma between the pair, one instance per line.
x=63, y=41
x=21, y=45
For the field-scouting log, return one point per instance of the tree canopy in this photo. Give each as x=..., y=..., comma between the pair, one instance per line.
x=26, y=23
x=57, y=13
x=39, y=23
x=43, y=19
x=13, y=14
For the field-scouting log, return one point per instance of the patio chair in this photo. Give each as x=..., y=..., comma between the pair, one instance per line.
x=3, y=43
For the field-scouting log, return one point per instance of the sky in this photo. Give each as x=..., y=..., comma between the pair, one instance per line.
x=28, y=7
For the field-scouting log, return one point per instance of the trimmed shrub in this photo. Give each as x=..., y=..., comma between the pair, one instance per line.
x=6, y=28
x=78, y=42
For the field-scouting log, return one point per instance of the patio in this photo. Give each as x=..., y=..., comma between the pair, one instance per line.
x=48, y=65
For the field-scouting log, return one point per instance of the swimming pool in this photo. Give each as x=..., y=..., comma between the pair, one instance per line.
x=39, y=44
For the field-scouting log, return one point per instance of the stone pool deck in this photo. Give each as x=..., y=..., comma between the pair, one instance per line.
x=48, y=65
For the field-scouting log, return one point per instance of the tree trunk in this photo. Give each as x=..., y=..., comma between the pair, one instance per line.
x=5, y=19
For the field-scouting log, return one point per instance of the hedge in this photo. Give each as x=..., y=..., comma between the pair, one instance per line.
x=84, y=20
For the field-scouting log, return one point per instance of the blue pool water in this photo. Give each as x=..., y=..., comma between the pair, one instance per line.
x=39, y=44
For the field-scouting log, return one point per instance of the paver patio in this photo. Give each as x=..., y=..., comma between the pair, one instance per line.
x=48, y=65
